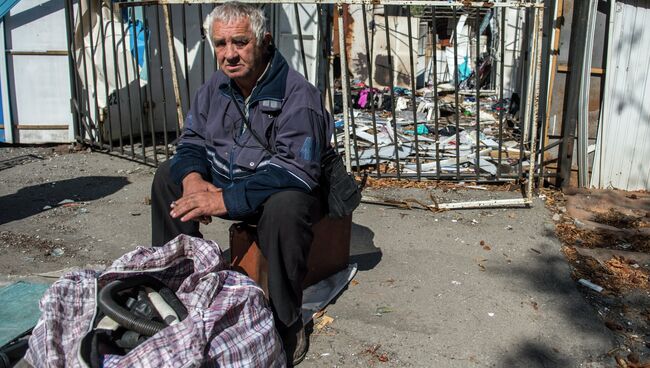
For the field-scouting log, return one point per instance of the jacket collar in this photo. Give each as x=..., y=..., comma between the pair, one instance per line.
x=270, y=89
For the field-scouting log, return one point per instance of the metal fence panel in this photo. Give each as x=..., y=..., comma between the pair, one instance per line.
x=421, y=90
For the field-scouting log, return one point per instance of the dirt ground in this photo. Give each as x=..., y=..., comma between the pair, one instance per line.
x=494, y=287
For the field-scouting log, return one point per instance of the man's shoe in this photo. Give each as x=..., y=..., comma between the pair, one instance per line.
x=295, y=344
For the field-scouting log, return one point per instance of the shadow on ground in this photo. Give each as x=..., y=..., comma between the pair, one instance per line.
x=534, y=354
x=363, y=251
x=31, y=200
x=549, y=274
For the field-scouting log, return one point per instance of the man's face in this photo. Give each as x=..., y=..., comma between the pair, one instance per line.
x=237, y=52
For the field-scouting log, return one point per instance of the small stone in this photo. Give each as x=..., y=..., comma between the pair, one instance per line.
x=57, y=252
x=557, y=217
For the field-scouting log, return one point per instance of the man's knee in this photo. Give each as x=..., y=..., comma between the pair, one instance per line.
x=289, y=206
x=162, y=177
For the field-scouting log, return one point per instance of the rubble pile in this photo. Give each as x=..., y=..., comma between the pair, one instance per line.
x=606, y=237
x=443, y=147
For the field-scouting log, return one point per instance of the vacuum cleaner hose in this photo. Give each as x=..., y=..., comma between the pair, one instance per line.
x=108, y=305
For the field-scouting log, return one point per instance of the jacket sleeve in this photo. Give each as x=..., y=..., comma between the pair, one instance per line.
x=300, y=137
x=190, y=153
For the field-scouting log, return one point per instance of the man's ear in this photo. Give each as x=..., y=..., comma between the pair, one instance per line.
x=268, y=41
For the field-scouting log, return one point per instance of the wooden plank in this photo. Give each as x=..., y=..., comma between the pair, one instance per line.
x=563, y=68
x=42, y=127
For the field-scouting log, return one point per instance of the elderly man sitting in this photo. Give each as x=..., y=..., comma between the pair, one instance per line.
x=250, y=150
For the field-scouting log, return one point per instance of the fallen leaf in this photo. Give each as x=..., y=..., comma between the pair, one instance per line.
x=323, y=322
x=486, y=247
x=354, y=282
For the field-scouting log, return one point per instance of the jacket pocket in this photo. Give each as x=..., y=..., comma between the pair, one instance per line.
x=249, y=158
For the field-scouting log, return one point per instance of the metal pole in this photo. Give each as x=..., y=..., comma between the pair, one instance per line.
x=434, y=47
x=172, y=62
x=150, y=103
x=98, y=124
x=536, y=65
x=116, y=75
x=413, y=104
x=302, y=44
x=583, y=110
x=571, y=103
x=477, y=80
x=127, y=85
x=136, y=71
x=88, y=122
x=162, y=83
x=332, y=94
x=352, y=122
x=202, y=45
x=355, y=145
x=72, y=68
x=554, y=45
x=344, y=85
x=351, y=105
x=502, y=62
x=547, y=49
x=456, y=86
x=371, y=93
x=392, y=93
x=525, y=77
x=108, y=100
x=185, y=61
x=329, y=62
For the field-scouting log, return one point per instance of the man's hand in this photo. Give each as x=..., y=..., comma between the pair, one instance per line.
x=194, y=182
x=200, y=200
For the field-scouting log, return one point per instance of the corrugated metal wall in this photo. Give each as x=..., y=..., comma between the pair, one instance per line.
x=623, y=146
x=36, y=82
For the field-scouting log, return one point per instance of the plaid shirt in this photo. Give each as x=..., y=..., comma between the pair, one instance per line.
x=229, y=324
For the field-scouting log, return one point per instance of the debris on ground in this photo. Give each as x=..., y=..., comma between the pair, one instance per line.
x=606, y=239
x=375, y=354
x=322, y=322
x=20, y=248
x=427, y=130
x=445, y=186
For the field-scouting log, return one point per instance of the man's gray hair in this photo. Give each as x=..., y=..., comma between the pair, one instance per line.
x=234, y=10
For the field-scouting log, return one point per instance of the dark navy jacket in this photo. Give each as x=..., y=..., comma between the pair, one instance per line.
x=284, y=110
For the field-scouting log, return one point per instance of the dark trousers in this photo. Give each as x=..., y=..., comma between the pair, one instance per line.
x=284, y=234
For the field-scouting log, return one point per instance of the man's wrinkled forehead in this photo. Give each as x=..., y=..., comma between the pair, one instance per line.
x=243, y=26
